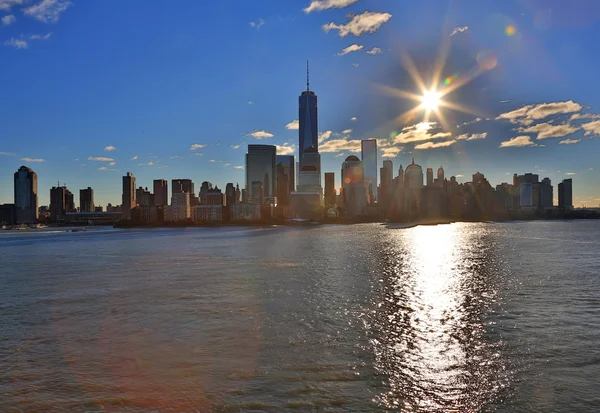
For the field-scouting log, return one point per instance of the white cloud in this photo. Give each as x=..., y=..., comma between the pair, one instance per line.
x=100, y=159
x=569, y=141
x=150, y=164
x=457, y=30
x=7, y=4
x=212, y=161
x=353, y=118
x=592, y=128
x=350, y=49
x=40, y=37
x=419, y=132
x=318, y=5
x=227, y=164
x=134, y=158
x=570, y=173
x=323, y=136
x=390, y=152
x=364, y=23
x=257, y=25
x=8, y=20
x=576, y=116
x=7, y=153
x=546, y=130
x=374, y=51
x=16, y=43
x=239, y=167
x=235, y=146
x=199, y=154
x=112, y=163
x=339, y=155
x=338, y=145
x=519, y=141
x=35, y=160
x=347, y=131
x=48, y=11
x=459, y=176
x=433, y=145
x=250, y=102
x=197, y=146
x=293, y=125
x=103, y=168
x=526, y=115
x=261, y=134
x=355, y=64
x=285, y=149
x=110, y=148
x=472, y=137
x=176, y=157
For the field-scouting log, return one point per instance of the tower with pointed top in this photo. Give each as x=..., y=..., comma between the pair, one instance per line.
x=308, y=116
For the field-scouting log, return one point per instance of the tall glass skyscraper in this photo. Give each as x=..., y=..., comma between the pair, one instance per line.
x=26, y=199
x=261, y=166
x=369, y=160
x=309, y=126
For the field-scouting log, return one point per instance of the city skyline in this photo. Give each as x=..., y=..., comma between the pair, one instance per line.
x=108, y=118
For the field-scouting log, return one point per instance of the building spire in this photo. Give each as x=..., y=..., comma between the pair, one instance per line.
x=413, y=160
x=307, y=78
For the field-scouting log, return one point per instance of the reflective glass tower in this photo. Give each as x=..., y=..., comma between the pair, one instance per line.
x=368, y=148
x=308, y=120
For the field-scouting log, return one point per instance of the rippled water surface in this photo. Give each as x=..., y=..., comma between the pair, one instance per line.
x=452, y=318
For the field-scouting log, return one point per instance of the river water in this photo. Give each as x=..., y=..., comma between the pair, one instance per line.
x=450, y=318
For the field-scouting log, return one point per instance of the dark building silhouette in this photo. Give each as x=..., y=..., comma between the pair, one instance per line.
x=128, y=195
x=179, y=186
x=286, y=178
x=143, y=197
x=565, y=195
x=429, y=177
x=58, y=202
x=7, y=214
x=368, y=150
x=86, y=200
x=330, y=193
x=257, y=190
x=161, y=192
x=26, y=196
x=261, y=166
x=69, y=201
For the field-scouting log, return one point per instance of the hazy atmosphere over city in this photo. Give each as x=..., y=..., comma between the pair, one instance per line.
x=87, y=95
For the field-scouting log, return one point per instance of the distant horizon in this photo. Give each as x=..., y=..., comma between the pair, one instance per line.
x=165, y=97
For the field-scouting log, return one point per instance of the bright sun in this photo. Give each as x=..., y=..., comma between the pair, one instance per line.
x=431, y=100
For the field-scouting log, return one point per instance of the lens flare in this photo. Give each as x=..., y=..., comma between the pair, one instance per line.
x=510, y=30
x=486, y=60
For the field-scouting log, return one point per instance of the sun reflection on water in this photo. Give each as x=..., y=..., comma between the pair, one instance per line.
x=428, y=330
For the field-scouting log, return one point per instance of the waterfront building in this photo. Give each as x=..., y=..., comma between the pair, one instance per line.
x=286, y=178
x=353, y=185
x=440, y=176
x=413, y=176
x=179, y=186
x=143, y=197
x=128, y=195
x=245, y=212
x=86, y=200
x=330, y=193
x=26, y=196
x=547, y=194
x=565, y=195
x=161, y=192
x=368, y=150
x=7, y=214
x=261, y=167
x=179, y=210
x=58, y=202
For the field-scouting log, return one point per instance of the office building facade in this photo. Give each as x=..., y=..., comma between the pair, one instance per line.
x=161, y=192
x=25, y=196
x=261, y=166
x=368, y=150
x=128, y=196
x=86, y=200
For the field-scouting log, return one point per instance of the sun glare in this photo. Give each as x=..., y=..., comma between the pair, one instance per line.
x=431, y=100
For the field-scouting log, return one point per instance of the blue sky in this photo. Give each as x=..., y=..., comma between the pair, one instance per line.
x=94, y=89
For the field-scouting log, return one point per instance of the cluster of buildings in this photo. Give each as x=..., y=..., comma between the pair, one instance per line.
x=279, y=188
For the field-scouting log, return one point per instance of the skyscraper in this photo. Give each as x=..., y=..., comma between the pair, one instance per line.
x=440, y=175
x=58, y=202
x=26, y=199
x=286, y=178
x=565, y=195
x=330, y=194
x=86, y=200
x=161, y=192
x=368, y=149
x=353, y=184
x=179, y=186
x=387, y=180
x=429, y=177
x=261, y=166
x=69, y=201
x=413, y=176
x=308, y=116
x=128, y=195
